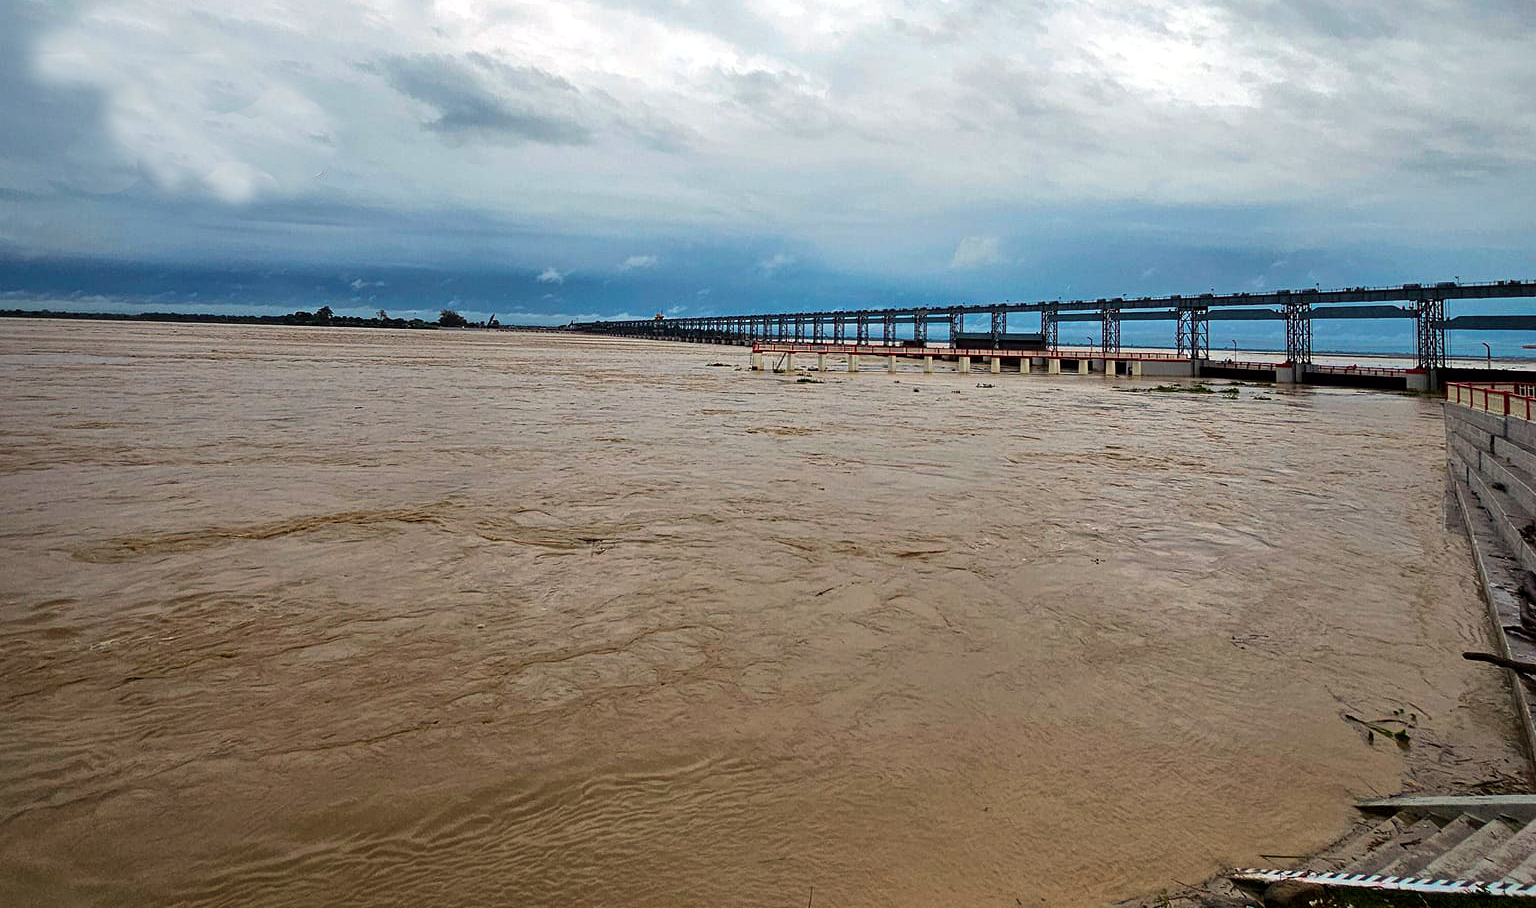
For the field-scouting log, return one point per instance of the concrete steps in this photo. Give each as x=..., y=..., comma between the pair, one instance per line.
x=1451, y=848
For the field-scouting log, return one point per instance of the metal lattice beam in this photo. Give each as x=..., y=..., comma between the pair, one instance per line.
x=920, y=327
x=1048, y=327
x=1109, y=343
x=1200, y=334
x=1298, y=332
x=999, y=326
x=1430, y=324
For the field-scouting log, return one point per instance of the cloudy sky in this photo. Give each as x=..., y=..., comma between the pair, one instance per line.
x=552, y=160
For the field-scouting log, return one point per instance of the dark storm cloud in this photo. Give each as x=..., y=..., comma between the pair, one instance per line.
x=878, y=146
x=476, y=97
x=50, y=135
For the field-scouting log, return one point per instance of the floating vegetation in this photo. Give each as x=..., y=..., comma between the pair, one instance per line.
x=1198, y=387
x=809, y=381
x=1399, y=735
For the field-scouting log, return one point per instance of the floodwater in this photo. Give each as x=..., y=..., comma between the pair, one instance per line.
x=310, y=616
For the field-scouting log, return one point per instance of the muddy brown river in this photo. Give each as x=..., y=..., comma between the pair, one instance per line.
x=367, y=617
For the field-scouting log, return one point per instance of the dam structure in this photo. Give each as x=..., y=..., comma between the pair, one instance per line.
x=981, y=333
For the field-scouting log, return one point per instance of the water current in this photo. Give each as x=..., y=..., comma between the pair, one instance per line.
x=368, y=617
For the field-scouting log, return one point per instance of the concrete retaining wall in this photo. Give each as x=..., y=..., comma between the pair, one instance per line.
x=1154, y=368
x=1492, y=462
x=1495, y=456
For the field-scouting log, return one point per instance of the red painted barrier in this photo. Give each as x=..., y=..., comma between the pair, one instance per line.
x=882, y=350
x=1501, y=399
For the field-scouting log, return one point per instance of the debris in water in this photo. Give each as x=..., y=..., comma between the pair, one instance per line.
x=1399, y=735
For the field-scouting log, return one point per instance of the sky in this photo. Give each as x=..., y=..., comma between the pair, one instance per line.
x=548, y=162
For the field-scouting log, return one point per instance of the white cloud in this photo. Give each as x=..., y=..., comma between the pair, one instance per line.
x=551, y=276
x=825, y=124
x=237, y=183
x=775, y=263
x=638, y=261
x=976, y=251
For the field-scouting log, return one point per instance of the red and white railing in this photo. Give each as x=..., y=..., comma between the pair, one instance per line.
x=1501, y=399
x=897, y=350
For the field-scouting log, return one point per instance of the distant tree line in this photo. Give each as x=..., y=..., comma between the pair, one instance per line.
x=322, y=316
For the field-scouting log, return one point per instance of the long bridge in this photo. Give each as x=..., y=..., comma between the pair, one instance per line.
x=914, y=326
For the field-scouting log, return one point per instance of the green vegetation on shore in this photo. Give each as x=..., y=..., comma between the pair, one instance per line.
x=323, y=317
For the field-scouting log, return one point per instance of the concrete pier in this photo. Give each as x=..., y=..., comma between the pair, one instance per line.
x=789, y=362
x=757, y=362
x=927, y=365
x=890, y=364
x=1053, y=366
x=1082, y=367
x=997, y=366
x=821, y=362
x=853, y=362
x=963, y=364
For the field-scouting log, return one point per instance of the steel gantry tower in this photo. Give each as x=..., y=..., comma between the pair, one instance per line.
x=1429, y=320
x=1109, y=333
x=1193, y=335
x=1298, y=332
